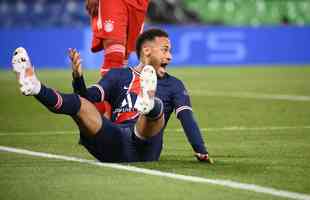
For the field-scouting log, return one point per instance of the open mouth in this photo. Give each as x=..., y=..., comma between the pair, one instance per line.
x=163, y=65
x=162, y=70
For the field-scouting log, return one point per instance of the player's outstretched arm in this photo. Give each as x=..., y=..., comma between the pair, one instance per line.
x=184, y=113
x=78, y=83
x=194, y=136
x=76, y=63
x=94, y=93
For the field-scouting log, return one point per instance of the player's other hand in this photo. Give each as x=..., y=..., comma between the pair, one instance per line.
x=92, y=7
x=76, y=63
x=204, y=158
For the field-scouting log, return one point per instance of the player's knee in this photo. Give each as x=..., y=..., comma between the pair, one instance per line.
x=88, y=118
x=84, y=105
x=88, y=109
x=146, y=128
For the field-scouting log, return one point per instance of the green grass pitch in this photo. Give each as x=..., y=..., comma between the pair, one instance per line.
x=255, y=120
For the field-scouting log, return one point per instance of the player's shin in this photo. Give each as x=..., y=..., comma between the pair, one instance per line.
x=68, y=104
x=114, y=56
x=150, y=124
x=157, y=110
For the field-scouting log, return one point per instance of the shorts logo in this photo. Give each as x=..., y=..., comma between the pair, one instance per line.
x=108, y=25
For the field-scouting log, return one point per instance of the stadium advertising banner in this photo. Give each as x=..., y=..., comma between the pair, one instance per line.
x=240, y=46
x=191, y=46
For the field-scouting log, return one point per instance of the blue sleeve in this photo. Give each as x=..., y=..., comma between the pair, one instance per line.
x=109, y=83
x=183, y=110
x=97, y=92
x=192, y=131
x=181, y=98
x=93, y=93
x=79, y=86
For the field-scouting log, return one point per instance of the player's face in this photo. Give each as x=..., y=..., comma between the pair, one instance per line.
x=160, y=55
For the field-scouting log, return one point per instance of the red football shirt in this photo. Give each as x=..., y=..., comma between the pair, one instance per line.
x=139, y=4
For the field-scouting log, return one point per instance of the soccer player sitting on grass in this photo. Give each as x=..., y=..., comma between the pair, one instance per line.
x=142, y=100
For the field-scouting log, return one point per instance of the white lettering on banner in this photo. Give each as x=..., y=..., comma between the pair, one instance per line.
x=185, y=49
x=220, y=47
x=226, y=47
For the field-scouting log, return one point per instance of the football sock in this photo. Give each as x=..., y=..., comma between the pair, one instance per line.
x=157, y=110
x=114, y=56
x=125, y=63
x=68, y=104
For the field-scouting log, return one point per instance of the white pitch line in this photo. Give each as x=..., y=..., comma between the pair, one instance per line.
x=225, y=183
x=232, y=128
x=39, y=133
x=251, y=95
x=243, y=128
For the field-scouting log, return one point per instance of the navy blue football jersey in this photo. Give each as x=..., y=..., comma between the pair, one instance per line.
x=120, y=87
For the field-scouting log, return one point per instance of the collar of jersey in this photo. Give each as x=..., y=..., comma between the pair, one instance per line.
x=135, y=71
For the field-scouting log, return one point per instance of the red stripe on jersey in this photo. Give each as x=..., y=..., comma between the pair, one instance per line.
x=134, y=86
x=126, y=116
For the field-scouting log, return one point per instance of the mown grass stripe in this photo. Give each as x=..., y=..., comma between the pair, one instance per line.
x=251, y=95
x=226, y=183
x=232, y=128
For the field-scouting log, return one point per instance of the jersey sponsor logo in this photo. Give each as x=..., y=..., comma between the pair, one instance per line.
x=127, y=110
x=108, y=25
x=126, y=106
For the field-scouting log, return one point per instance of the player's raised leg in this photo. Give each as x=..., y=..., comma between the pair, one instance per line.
x=83, y=111
x=29, y=84
x=151, y=120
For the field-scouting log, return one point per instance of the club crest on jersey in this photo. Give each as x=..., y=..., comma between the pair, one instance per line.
x=108, y=25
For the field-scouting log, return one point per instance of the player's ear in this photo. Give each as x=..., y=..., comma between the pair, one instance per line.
x=146, y=50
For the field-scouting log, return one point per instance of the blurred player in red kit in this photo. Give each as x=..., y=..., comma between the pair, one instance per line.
x=116, y=25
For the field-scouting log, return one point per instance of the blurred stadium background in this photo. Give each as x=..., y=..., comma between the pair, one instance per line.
x=246, y=64
x=203, y=32
x=42, y=13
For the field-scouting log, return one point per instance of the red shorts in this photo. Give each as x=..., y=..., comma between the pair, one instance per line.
x=119, y=21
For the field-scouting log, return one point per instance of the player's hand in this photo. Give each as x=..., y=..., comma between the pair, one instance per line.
x=76, y=63
x=204, y=158
x=92, y=7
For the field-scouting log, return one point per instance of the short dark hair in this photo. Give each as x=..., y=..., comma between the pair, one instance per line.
x=149, y=35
